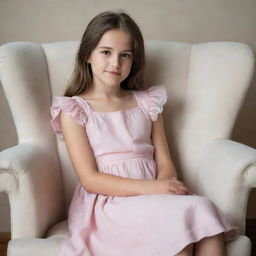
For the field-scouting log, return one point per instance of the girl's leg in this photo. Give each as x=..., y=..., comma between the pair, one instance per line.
x=210, y=246
x=187, y=251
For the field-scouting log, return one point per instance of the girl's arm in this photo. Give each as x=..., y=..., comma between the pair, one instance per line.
x=164, y=163
x=84, y=163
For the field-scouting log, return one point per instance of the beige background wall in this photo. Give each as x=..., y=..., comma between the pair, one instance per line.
x=175, y=20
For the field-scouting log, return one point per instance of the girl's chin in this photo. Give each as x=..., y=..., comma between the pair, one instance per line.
x=113, y=82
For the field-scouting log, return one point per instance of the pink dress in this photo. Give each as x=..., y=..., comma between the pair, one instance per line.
x=143, y=225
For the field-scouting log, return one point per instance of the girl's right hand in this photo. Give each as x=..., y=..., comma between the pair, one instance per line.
x=170, y=186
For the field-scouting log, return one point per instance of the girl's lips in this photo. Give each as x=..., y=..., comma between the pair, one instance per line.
x=114, y=73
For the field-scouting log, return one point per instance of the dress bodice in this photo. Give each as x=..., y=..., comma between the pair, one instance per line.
x=126, y=133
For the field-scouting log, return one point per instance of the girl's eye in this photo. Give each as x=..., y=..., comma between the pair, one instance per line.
x=105, y=52
x=126, y=55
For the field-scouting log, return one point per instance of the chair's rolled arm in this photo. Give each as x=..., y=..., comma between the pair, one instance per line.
x=226, y=175
x=30, y=175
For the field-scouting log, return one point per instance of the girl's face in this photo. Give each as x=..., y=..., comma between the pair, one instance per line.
x=112, y=58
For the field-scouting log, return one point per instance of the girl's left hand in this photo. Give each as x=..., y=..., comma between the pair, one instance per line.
x=179, y=182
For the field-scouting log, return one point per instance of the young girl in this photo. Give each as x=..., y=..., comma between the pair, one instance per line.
x=129, y=201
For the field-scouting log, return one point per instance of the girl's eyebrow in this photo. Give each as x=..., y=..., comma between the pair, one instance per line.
x=106, y=47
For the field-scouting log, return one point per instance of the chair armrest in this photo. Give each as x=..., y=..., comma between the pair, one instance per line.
x=30, y=175
x=226, y=175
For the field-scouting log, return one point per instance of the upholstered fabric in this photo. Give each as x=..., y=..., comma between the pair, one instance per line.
x=206, y=84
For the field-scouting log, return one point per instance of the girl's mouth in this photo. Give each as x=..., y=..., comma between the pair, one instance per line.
x=114, y=73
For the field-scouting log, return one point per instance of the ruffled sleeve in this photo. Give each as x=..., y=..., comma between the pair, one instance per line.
x=156, y=97
x=69, y=106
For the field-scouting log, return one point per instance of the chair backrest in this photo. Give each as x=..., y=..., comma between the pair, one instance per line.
x=206, y=85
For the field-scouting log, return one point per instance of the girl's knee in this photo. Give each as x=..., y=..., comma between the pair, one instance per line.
x=219, y=236
x=187, y=251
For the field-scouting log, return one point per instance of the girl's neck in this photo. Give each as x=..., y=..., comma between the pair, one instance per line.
x=106, y=93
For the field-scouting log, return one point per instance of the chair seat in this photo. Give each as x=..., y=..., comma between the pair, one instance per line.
x=60, y=230
x=49, y=246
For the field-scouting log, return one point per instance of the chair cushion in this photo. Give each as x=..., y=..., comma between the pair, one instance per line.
x=241, y=246
x=49, y=246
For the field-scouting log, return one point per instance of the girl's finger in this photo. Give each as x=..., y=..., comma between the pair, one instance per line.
x=179, y=182
x=179, y=192
x=183, y=187
x=172, y=192
x=190, y=192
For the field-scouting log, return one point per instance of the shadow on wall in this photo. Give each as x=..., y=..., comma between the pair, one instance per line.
x=244, y=128
x=7, y=127
x=4, y=213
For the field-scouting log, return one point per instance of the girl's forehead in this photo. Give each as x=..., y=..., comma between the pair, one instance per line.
x=116, y=38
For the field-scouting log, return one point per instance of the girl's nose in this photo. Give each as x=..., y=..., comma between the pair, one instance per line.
x=115, y=61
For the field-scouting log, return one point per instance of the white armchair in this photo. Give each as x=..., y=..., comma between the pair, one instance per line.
x=206, y=86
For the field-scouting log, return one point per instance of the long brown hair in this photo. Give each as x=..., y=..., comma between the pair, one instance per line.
x=81, y=78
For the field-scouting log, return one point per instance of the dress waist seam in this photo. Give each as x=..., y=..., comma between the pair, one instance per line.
x=111, y=159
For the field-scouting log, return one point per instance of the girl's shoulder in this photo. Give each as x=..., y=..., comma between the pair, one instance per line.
x=70, y=106
x=153, y=99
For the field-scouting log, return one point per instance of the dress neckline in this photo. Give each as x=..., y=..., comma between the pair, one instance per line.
x=111, y=112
